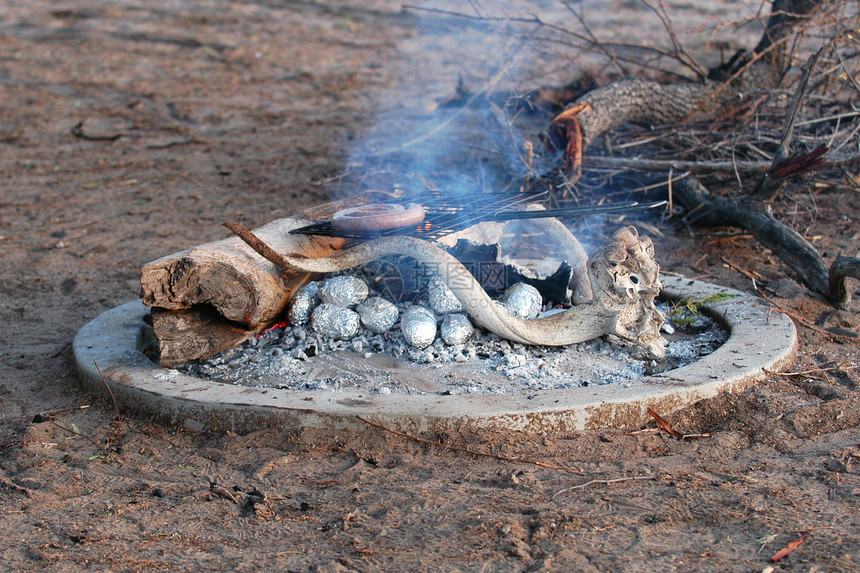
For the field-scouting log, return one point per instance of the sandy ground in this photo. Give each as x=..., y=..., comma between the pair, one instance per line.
x=129, y=130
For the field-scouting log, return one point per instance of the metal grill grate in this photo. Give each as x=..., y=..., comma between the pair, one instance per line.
x=442, y=217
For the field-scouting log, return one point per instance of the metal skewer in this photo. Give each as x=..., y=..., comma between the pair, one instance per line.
x=443, y=219
x=576, y=211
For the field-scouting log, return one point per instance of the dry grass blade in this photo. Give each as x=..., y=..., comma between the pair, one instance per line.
x=664, y=425
x=604, y=482
x=808, y=324
x=113, y=399
x=792, y=545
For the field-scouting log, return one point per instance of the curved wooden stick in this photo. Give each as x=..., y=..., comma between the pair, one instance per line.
x=624, y=279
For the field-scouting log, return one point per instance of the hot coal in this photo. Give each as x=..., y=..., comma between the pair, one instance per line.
x=354, y=342
x=299, y=358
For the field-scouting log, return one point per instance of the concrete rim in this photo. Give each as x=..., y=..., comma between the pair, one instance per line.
x=758, y=340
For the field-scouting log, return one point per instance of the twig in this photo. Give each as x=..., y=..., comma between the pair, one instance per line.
x=828, y=118
x=174, y=143
x=692, y=436
x=806, y=322
x=587, y=40
x=602, y=481
x=642, y=431
x=257, y=244
x=726, y=84
x=115, y=407
x=812, y=371
x=671, y=208
x=78, y=433
x=468, y=451
x=66, y=410
x=772, y=181
x=664, y=425
x=640, y=164
x=753, y=276
x=679, y=52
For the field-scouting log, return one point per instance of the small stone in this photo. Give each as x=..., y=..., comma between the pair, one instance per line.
x=377, y=314
x=834, y=464
x=344, y=291
x=440, y=297
x=418, y=325
x=523, y=301
x=456, y=329
x=335, y=321
x=304, y=301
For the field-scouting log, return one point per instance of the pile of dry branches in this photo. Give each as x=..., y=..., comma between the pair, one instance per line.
x=720, y=143
x=731, y=137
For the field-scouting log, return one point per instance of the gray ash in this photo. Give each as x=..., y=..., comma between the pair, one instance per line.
x=300, y=358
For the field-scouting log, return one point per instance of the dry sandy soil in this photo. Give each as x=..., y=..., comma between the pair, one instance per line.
x=192, y=113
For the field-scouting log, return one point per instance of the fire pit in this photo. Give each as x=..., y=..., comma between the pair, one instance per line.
x=108, y=351
x=328, y=338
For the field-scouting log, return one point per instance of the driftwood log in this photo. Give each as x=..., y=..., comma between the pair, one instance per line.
x=214, y=296
x=725, y=90
x=624, y=280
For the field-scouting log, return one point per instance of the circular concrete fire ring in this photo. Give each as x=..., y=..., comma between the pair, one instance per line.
x=107, y=353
